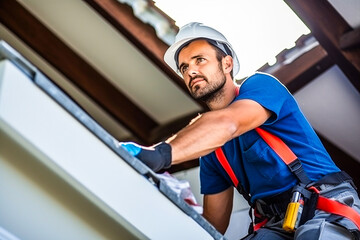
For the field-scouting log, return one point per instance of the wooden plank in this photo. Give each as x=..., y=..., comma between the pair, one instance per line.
x=289, y=72
x=328, y=26
x=30, y=30
x=302, y=70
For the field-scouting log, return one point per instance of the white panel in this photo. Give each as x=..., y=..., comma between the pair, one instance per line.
x=35, y=204
x=332, y=106
x=84, y=161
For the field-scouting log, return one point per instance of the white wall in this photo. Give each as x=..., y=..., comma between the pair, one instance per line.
x=332, y=105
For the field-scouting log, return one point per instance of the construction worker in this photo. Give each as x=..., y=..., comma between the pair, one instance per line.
x=234, y=153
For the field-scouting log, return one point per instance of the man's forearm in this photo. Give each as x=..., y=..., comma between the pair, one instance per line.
x=202, y=136
x=213, y=129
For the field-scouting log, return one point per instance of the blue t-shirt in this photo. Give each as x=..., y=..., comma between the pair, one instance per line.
x=258, y=168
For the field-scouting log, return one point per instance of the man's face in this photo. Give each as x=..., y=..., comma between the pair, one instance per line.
x=202, y=72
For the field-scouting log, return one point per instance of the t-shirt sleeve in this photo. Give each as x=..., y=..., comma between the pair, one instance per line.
x=267, y=91
x=211, y=181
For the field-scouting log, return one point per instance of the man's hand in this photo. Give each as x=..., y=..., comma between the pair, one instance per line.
x=156, y=157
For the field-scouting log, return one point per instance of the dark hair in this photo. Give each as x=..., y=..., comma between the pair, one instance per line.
x=220, y=55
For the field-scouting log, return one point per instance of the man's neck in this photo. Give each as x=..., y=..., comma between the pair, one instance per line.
x=228, y=94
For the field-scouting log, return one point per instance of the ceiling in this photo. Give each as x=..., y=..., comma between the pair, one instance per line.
x=114, y=57
x=107, y=55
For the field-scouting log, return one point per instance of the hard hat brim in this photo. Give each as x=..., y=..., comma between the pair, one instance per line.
x=169, y=56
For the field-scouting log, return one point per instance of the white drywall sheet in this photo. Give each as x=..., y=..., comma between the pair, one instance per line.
x=64, y=145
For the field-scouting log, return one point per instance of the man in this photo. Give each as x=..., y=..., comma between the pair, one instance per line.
x=207, y=63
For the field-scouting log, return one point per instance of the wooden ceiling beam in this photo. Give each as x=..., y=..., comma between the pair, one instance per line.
x=143, y=36
x=301, y=70
x=38, y=37
x=168, y=129
x=328, y=26
x=182, y=166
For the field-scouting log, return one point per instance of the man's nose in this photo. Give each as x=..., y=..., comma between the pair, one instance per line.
x=193, y=70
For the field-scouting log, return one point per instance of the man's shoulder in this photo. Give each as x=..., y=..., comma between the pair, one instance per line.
x=260, y=76
x=260, y=80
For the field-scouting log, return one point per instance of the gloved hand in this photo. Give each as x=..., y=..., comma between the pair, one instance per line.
x=156, y=158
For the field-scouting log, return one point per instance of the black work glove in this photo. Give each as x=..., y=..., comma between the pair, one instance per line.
x=156, y=158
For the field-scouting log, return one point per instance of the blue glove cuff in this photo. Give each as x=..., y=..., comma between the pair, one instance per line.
x=132, y=148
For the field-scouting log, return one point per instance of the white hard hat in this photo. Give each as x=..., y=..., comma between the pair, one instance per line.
x=197, y=30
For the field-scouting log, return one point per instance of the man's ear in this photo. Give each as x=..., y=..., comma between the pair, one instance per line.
x=227, y=63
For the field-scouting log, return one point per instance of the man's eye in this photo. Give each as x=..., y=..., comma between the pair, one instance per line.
x=200, y=59
x=183, y=69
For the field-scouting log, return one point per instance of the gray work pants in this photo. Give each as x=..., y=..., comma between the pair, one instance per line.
x=323, y=225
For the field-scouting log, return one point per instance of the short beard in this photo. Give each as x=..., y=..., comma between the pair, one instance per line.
x=213, y=93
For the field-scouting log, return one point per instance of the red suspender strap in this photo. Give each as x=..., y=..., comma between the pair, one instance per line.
x=278, y=146
x=273, y=141
x=225, y=164
x=332, y=206
x=335, y=207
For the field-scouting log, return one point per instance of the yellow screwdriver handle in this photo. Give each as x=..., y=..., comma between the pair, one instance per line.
x=291, y=216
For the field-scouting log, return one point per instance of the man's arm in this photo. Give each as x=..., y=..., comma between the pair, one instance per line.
x=218, y=207
x=213, y=129
x=204, y=135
